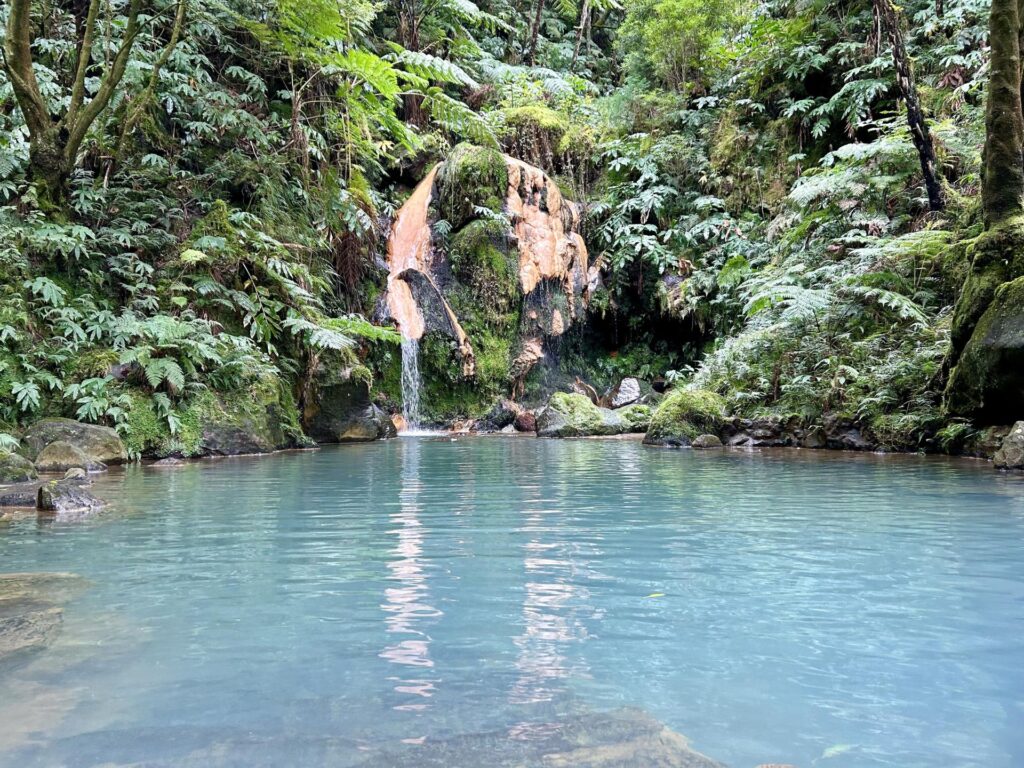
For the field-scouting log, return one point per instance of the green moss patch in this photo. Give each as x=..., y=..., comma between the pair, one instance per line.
x=471, y=177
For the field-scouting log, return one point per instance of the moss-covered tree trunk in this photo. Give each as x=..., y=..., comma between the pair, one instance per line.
x=984, y=374
x=1003, y=189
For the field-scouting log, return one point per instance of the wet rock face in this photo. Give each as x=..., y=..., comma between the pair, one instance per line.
x=509, y=274
x=624, y=738
x=1011, y=453
x=339, y=410
x=15, y=468
x=101, y=445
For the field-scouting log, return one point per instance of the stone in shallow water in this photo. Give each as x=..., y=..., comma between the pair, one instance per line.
x=624, y=738
x=67, y=499
x=707, y=441
x=1011, y=453
x=30, y=612
x=15, y=468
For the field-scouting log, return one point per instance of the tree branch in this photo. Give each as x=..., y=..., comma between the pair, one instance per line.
x=89, y=113
x=17, y=62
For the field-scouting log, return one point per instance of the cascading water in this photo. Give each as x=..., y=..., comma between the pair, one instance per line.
x=411, y=383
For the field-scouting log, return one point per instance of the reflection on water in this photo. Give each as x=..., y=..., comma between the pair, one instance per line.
x=406, y=605
x=420, y=603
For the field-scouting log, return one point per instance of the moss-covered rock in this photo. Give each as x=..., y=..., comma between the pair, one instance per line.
x=574, y=415
x=988, y=380
x=60, y=456
x=685, y=414
x=1011, y=453
x=100, y=444
x=996, y=257
x=260, y=418
x=471, y=177
x=637, y=417
x=15, y=468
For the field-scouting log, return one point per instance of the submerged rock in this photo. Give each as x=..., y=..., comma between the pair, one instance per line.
x=574, y=415
x=30, y=613
x=624, y=738
x=15, y=468
x=685, y=414
x=102, y=445
x=61, y=456
x=1011, y=453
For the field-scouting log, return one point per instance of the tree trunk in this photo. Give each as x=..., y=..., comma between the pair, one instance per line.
x=919, y=131
x=535, y=33
x=409, y=38
x=580, y=31
x=49, y=168
x=1002, y=193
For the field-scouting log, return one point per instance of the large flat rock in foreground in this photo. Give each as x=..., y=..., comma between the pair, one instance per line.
x=623, y=738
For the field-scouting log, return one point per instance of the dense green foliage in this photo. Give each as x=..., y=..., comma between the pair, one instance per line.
x=753, y=195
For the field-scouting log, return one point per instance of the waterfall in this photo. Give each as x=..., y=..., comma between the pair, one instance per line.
x=411, y=383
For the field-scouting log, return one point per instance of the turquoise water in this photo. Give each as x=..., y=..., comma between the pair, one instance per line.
x=314, y=608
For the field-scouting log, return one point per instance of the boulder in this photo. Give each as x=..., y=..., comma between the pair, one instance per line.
x=685, y=414
x=15, y=468
x=846, y=435
x=339, y=410
x=627, y=392
x=574, y=415
x=61, y=456
x=502, y=414
x=21, y=495
x=66, y=498
x=987, y=383
x=1011, y=453
x=102, y=445
x=707, y=441
x=526, y=422
x=260, y=420
x=79, y=475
